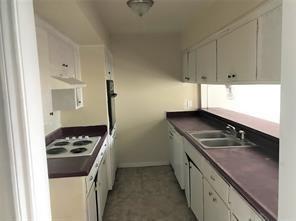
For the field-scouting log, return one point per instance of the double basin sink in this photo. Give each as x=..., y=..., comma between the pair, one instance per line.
x=219, y=139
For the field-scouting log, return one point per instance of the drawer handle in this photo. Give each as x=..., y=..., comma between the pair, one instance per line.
x=212, y=178
x=210, y=193
x=214, y=199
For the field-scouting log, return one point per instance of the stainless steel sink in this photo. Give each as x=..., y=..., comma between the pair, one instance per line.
x=209, y=134
x=219, y=139
x=224, y=143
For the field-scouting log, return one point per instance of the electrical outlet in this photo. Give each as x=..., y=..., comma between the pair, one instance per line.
x=187, y=104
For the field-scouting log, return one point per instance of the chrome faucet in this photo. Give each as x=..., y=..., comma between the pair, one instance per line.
x=231, y=130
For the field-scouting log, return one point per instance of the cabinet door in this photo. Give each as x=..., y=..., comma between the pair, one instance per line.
x=79, y=98
x=186, y=178
x=44, y=67
x=269, y=46
x=196, y=186
x=111, y=162
x=189, y=66
x=192, y=66
x=185, y=66
x=178, y=158
x=207, y=63
x=109, y=65
x=237, y=52
x=214, y=207
x=92, y=204
x=102, y=185
x=171, y=147
x=69, y=58
x=57, y=55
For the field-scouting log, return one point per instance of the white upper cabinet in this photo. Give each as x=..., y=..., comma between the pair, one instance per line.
x=207, y=63
x=61, y=56
x=109, y=65
x=269, y=46
x=237, y=52
x=189, y=66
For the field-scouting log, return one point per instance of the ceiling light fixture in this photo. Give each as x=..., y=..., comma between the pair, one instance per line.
x=140, y=7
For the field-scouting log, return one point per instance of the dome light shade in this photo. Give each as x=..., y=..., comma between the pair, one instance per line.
x=140, y=7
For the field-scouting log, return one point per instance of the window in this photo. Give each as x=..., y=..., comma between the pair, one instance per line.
x=262, y=101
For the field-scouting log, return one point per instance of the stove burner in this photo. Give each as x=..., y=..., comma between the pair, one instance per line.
x=62, y=143
x=56, y=150
x=78, y=150
x=82, y=142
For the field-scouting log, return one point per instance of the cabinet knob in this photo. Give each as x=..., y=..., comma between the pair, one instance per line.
x=51, y=113
x=97, y=165
x=229, y=76
x=91, y=178
x=214, y=199
x=187, y=78
x=210, y=193
x=212, y=178
x=234, y=75
x=79, y=102
x=203, y=77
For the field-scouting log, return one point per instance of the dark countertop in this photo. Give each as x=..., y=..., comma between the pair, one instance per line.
x=251, y=171
x=74, y=166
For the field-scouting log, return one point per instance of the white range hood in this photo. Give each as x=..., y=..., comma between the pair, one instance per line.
x=61, y=82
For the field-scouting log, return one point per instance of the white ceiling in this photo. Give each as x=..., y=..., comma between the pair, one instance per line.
x=93, y=21
x=166, y=16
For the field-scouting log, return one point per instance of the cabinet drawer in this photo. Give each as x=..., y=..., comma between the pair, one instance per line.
x=240, y=208
x=194, y=155
x=214, y=207
x=218, y=183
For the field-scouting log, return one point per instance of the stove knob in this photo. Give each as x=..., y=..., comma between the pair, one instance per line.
x=80, y=137
x=73, y=138
x=67, y=138
x=86, y=137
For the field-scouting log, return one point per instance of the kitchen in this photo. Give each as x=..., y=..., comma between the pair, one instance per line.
x=149, y=118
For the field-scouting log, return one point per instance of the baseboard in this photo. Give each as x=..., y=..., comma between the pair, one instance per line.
x=143, y=164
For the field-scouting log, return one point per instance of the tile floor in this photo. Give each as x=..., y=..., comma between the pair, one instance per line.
x=147, y=194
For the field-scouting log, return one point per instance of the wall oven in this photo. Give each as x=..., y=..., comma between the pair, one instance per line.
x=111, y=104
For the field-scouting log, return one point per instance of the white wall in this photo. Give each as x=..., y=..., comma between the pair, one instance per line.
x=287, y=164
x=262, y=101
x=148, y=73
x=6, y=193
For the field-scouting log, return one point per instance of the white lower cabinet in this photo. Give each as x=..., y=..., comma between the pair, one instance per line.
x=196, y=192
x=92, y=204
x=102, y=187
x=176, y=152
x=214, y=207
x=81, y=198
x=240, y=209
x=112, y=161
x=187, y=179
